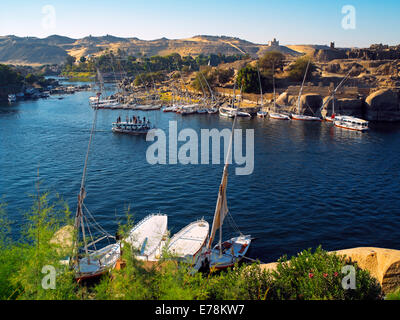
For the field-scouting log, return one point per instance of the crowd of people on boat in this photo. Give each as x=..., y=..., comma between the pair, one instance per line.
x=133, y=124
x=134, y=120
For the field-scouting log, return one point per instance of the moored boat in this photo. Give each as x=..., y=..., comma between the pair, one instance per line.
x=262, y=114
x=225, y=254
x=232, y=251
x=188, y=244
x=148, y=237
x=352, y=123
x=226, y=112
x=279, y=116
x=303, y=117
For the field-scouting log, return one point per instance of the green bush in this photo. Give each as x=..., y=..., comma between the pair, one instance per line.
x=317, y=276
x=298, y=68
x=394, y=295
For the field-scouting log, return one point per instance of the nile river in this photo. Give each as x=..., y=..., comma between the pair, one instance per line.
x=312, y=183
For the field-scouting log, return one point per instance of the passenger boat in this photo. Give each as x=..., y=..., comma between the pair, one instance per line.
x=148, y=237
x=131, y=128
x=225, y=254
x=188, y=244
x=351, y=123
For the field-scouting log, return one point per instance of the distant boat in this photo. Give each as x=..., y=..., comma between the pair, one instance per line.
x=262, y=114
x=334, y=116
x=298, y=115
x=132, y=127
x=351, y=123
x=276, y=115
x=227, y=112
x=12, y=98
x=279, y=116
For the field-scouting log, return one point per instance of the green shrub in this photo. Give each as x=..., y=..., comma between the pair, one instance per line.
x=318, y=276
x=394, y=295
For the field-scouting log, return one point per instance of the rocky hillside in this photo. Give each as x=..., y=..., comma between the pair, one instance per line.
x=54, y=49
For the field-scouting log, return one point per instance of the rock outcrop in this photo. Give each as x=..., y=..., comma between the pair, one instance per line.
x=383, y=264
x=383, y=105
x=345, y=107
x=63, y=238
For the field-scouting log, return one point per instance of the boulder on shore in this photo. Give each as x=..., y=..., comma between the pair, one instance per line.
x=344, y=107
x=383, y=105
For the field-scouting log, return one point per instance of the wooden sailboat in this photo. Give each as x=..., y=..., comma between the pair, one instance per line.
x=225, y=254
x=89, y=261
x=276, y=115
x=333, y=115
x=261, y=113
x=299, y=115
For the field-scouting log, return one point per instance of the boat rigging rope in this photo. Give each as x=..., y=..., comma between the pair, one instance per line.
x=96, y=225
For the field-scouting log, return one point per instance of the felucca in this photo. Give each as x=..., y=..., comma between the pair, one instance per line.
x=276, y=115
x=225, y=254
x=89, y=261
x=298, y=115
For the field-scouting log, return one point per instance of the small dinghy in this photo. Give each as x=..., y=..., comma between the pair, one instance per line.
x=148, y=236
x=188, y=244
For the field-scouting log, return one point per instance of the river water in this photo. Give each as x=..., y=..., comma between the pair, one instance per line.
x=312, y=184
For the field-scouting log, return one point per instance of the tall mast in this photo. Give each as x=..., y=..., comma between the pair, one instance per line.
x=82, y=193
x=259, y=80
x=302, y=85
x=221, y=208
x=273, y=84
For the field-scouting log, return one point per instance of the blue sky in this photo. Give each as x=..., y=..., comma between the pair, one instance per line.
x=291, y=22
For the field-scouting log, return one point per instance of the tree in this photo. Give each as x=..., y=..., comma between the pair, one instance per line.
x=82, y=59
x=247, y=78
x=31, y=78
x=298, y=68
x=271, y=59
x=70, y=60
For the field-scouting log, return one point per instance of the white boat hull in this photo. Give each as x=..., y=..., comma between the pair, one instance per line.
x=188, y=244
x=147, y=237
x=279, y=116
x=302, y=117
x=233, y=251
